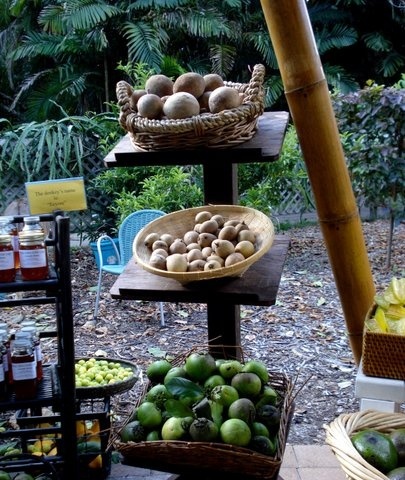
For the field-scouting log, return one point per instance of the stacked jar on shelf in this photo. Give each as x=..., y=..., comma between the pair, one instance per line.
x=23, y=256
x=21, y=362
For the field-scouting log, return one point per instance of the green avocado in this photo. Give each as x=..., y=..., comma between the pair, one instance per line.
x=377, y=449
x=396, y=474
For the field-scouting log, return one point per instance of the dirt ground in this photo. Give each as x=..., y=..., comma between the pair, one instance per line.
x=304, y=335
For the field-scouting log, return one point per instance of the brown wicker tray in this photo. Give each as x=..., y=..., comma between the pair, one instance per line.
x=207, y=458
x=383, y=353
x=178, y=223
x=338, y=437
x=221, y=130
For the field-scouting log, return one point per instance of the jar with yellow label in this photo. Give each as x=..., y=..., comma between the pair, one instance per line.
x=33, y=255
x=7, y=264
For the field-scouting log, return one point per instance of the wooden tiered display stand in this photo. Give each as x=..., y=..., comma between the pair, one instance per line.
x=223, y=297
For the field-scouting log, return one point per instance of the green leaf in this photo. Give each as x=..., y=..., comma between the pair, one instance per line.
x=175, y=408
x=182, y=388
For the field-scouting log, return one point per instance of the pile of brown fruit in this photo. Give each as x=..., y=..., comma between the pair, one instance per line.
x=189, y=95
x=213, y=243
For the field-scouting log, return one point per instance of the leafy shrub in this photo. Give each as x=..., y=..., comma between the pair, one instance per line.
x=170, y=189
x=372, y=122
x=262, y=185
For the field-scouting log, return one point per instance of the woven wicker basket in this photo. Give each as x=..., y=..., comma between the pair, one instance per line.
x=178, y=223
x=383, y=353
x=338, y=437
x=221, y=130
x=209, y=458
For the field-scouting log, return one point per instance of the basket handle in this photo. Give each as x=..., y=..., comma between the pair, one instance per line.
x=124, y=92
x=254, y=91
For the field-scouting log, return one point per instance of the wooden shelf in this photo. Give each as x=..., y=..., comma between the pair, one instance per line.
x=265, y=146
x=259, y=284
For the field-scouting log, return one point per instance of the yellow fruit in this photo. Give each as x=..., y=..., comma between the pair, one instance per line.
x=97, y=462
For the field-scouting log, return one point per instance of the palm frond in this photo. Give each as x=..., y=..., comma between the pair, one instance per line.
x=156, y=4
x=262, y=44
x=222, y=58
x=143, y=44
x=51, y=18
x=38, y=43
x=392, y=64
x=170, y=67
x=274, y=89
x=201, y=23
x=337, y=36
x=339, y=78
x=377, y=42
x=87, y=14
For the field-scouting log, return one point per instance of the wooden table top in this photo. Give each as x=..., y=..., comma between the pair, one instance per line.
x=257, y=286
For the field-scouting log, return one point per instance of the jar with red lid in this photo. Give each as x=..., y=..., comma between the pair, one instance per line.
x=33, y=255
x=7, y=264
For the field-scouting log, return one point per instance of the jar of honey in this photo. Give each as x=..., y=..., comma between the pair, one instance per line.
x=7, y=264
x=33, y=255
x=24, y=368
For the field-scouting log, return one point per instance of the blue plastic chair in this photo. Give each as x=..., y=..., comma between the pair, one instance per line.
x=128, y=230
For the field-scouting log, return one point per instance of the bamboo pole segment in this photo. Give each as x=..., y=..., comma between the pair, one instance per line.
x=311, y=110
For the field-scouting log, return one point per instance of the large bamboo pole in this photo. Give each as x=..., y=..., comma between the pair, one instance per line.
x=311, y=110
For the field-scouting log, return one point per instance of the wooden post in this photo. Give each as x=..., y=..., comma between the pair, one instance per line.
x=311, y=110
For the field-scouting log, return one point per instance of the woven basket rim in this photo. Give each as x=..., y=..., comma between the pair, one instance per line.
x=170, y=455
x=339, y=432
x=227, y=128
x=246, y=214
x=110, y=389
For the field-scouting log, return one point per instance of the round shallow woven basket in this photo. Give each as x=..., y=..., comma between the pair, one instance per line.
x=220, y=130
x=112, y=388
x=178, y=223
x=340, y=431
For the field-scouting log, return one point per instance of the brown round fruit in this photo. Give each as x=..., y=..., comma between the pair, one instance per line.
x=136, y=95
x=190, y=82
x=223, y=98
x=181, y=105
x=150, y=106
x=213, y=81
x=160, y=85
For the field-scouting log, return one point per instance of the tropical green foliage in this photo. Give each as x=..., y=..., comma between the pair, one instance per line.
x=372, y=122
x=54, y=52
x=170, y=189
x=262, y=185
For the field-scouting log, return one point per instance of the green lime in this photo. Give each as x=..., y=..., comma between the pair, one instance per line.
x=257, y=367
x=235, y=432
x=157, y=370
x=149, y=415
x=200, y=366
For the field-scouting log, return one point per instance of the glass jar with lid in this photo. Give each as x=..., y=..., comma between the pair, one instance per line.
x=11, y=228
x=33, y=255
x=32, y=224
x=24, y=368
x=7, y=262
